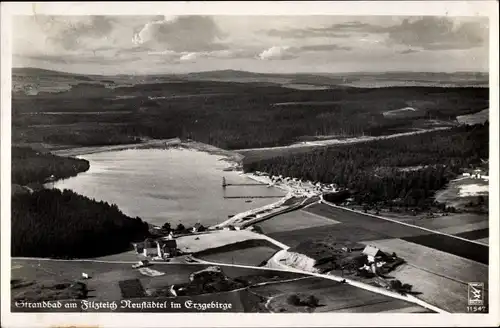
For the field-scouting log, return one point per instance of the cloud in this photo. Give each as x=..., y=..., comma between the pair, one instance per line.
x=324, y=47
x=305, y=33
x=278, y=53
x=183, y=33
x=429, y=32
x=217, y=54
x=438, y=33
x=287, y=52
x=79, y=59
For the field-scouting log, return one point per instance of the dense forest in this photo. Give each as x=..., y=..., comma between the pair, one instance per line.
x=63, y=224
x=401, y=171
x=232, y=115
x=51, y=223
x=30, y=166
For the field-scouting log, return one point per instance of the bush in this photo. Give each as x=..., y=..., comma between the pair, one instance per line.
x=303, y=300
x=312, y=301
x=294, y=299
x=166, y=227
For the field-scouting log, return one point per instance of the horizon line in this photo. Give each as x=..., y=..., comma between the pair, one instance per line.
x=254, y=72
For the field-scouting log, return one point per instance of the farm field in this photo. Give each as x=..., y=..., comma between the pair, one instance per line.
x=463, y=225
x=125, y=256
x=475, y=118
x=434, y=261
x=444, y=293
x=458, y=193
x=474, y=234
x=293, y=221
x=250, y=252
x=442, y=223
x=201, y=242
x=415, y=235
x=395, y=306
x=103, y=284
x=339, y=233
x=484, y=240
x=468, y=250
x=333, y=297
x=461, y=229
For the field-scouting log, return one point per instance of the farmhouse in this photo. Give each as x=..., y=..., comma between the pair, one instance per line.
x=149, y=248
x=168, y=248
x=150, y=251
x=372, y=253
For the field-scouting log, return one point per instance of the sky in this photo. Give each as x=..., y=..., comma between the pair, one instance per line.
x=275, y=44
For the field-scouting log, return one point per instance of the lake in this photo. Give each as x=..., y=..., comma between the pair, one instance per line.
x=173, y=185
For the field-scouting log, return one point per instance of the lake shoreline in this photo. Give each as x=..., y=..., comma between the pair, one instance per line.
x=229, y=156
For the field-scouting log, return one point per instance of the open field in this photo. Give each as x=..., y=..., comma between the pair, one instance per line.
x=449, y=224
x=460, y=192
x=476, y=118
x=415, y=235
x=333, y=297
x=125, y=256
x=472, y=251
x=484, y=240
x=250, y=252
x=200, y=242
x=461, y=229
x=293, y=221
x=474, y=234
x=434, y=261
x=444, y=293
x=338, y=233
x=103, y=284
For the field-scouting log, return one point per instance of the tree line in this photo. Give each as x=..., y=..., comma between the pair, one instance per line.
x=63, y=224
x=402, y=171
x=31, y=166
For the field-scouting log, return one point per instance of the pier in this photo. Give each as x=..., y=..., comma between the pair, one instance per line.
x=244, y=184
x=225, y=184
x=253, y=196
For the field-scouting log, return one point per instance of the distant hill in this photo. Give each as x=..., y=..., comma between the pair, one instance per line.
x=39, y=72
x=291, y=80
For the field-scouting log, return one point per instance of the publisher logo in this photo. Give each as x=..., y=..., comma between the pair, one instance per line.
x=476, y=293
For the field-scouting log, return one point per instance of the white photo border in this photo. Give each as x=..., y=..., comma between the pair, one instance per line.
x=358, y=8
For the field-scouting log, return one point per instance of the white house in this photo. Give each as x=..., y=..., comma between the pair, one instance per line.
x=372, y=253
x=151, y=252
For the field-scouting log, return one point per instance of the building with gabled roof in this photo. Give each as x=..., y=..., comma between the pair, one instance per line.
x=372, y=253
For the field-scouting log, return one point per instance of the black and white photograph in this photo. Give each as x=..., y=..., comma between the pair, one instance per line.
x=275, y=163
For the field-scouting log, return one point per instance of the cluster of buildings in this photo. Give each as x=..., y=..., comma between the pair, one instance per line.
x=161, y=248
x=476, y=174
x=307, y=187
